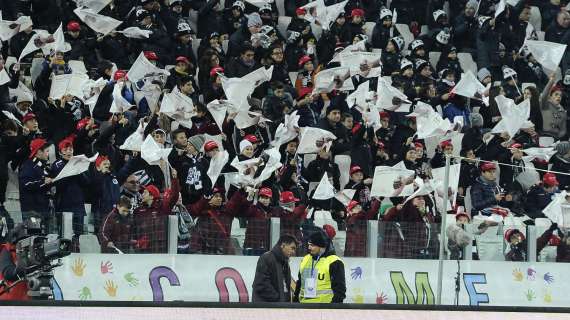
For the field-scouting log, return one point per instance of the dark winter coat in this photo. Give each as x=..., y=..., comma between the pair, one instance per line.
x=68, y=191
x=272, y=282
x=117, y=229
x=34, y=195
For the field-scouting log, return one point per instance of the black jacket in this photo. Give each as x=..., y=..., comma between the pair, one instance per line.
x=272, y=281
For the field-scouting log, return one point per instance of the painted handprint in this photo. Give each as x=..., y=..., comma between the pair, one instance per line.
x=85, y=293
x=381, y=298
x=131, y=279
x=358, y=297
x=517, y=273
x=356, y=273
x=78, y=267
x=548, y=278
x=530, y=274
x=530, y=295
x=548, y=296
x=111, y=288
x=106, y=267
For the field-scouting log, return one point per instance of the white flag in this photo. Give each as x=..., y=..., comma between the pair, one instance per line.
x=65, y=84
x=77, y=66
x=422, y=188
x=287, y=130
x=179, y=107
x=136, y=33
x=11, y=116
x=469, y=86
x=390, y=98
x=143, y=68
x=345, y=196
x=8, y=29
x=358, y=97
x=99, y=23
x=314, y=139
x=76, y=165
x=331, y=79
x=325, y=189
x=120, y=104
x=539, y=153
x=135, y=140
x=439, y=177
x=217, y=163
x=218, y=110
x=237, y=91
x=331, y=13
x=500, y=7
x=548, y=54
x=95, y=5
x=259, y=3
x=246, y=119
x=513, y=116
x=395, y=181
x=273, y=164
x=152, y=152
x=429, y=122
x=4, y=77
x=259, y=76
x=554, y=210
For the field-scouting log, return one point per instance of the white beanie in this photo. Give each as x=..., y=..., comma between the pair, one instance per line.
x=244, y=144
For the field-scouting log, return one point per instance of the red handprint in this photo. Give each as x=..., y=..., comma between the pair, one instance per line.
x=381, y=298
x=106, y=267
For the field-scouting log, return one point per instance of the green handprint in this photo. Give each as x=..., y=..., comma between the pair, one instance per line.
x=530, y=295
x=85, y=293
x=131, y=279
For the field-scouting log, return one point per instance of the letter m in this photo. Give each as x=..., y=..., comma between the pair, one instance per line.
x=404, y=295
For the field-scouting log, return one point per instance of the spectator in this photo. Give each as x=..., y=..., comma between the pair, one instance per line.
x=485, y=193
x=517, y=242
x=540, y=195
x=117, y=232
x=356, y=227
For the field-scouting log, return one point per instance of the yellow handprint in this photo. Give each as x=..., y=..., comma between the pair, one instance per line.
x=111, y=288
x=548, y=296
x=517, y=273
x=78, y=267
x=358, y=297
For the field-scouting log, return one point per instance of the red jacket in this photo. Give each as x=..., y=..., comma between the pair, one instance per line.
x=357, y=231
x=151, y=223
x=18, y=292
x=258, y=220
x=214, y=226
x=116, y=229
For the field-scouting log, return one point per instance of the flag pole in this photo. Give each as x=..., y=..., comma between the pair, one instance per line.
x=442, y=238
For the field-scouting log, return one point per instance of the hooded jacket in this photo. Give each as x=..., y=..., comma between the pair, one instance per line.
x=272, y=282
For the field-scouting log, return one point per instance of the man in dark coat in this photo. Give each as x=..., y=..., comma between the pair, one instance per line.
x=272, y=282
x=117, y=229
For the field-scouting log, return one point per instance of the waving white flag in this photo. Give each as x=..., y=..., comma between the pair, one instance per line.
x=429, y=122
x=548, y=54
x=395, y=181
x=135, y=33
x=358, y=97
x=390, y=98
x=287, y=130
x=119, y=104
x=259, y=76
x=8, y=29
x=237, y=91
x=76, y=165
x=325, y=189
x=135, y=140
x=539, y=153
x=500, y=7
x=99, y=23
x=314, y=139
x=143, y=68
x=333, y=78
x=65, y=84
x=469, y=86
x=218, y=110
x=438, y=178
x=345, y=196
x=513, y=116
x=152, y=152
x=217, y=163
x=559, y=210
x=4, y=77
x=179, y=107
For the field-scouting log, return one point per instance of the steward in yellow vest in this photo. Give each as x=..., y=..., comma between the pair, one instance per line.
x=321, y=274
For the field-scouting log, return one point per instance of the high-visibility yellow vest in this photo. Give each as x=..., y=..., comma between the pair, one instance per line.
x=322, y=275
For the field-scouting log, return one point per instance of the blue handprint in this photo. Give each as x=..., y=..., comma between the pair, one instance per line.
x=548, y=278
x=356, y=273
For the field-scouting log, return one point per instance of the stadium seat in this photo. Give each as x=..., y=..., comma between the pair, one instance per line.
x=280, y=7
x=293, y=76
x=405, y=32
x=540, y=35
x=434, y=58
x=237, y=232
x=317, y=30
x=88, y=243
x=535, y=18
x=528, y=84
x=308, y=157
x=225, y=44
x=282, y=24
x=321, y=217
x=424, y=30
x=467, y=63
